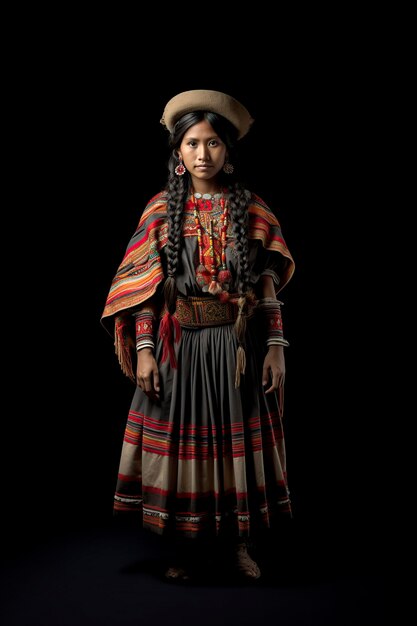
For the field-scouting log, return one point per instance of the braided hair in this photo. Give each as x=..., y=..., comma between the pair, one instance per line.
x=177, y=189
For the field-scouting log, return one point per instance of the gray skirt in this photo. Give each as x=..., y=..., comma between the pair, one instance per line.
x=207, y=458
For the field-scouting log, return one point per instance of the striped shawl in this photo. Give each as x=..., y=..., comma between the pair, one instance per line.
x=141, y=270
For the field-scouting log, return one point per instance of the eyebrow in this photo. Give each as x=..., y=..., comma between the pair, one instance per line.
x=195, y=139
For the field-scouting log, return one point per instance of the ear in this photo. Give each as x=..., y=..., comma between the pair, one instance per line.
x=179, y=155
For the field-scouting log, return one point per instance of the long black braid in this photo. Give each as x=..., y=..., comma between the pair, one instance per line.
x=177, y=189
x=238, y=205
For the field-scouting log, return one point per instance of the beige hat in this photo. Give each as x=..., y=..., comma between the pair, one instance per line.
x=206, y=100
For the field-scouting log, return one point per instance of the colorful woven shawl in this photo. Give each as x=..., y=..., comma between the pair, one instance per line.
x=141, y=271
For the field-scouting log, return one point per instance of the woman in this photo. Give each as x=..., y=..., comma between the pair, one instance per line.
x=198, y=328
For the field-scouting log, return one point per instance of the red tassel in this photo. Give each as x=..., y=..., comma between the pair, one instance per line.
x=225, y=276
x=202, y=276
x=224, y=296
x=121, y=344
x=214, y=288
x=177, y=328
x=166, y=332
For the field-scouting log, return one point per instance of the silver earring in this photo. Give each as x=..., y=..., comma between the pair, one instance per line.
x=228, y=168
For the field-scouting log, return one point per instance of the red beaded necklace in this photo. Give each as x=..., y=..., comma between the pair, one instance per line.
x=214, y=279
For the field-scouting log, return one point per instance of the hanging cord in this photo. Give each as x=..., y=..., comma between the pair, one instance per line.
x=123, y=344
x=169, y=327
x=240, y=329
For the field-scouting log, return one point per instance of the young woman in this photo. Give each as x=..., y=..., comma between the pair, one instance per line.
x=197, y=325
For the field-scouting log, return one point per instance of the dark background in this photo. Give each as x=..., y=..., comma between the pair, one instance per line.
x=83, y=92
x=95, y=153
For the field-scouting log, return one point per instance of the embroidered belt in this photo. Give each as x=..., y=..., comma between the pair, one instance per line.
x=195, y=312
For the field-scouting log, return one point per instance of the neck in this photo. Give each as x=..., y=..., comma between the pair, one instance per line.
x=202, y=186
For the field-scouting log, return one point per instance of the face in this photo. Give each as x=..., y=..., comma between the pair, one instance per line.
x=203, y=153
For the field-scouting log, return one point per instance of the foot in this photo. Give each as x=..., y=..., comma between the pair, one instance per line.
x=177, y=573
x=245, y=565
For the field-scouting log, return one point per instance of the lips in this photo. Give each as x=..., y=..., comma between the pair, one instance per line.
x=203, y=166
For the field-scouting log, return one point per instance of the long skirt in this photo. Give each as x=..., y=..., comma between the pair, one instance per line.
x=207, y=458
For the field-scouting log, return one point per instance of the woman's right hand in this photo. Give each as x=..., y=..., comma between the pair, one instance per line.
x=147, y=374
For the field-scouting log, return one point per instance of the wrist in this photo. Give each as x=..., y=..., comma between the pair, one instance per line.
x=144, y=330
x=277, y=341
x=276, y=348
x=270, y=309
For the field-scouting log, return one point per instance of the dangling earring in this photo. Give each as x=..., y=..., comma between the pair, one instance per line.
x=228, y=168
x=180, y=169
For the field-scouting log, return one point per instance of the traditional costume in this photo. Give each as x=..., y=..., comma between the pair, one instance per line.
x=209, y=455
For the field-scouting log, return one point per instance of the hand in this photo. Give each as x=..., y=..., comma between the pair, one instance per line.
x=147, y=374
x=274, y=368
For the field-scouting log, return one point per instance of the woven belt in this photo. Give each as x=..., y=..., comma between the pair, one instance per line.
x=195, y=312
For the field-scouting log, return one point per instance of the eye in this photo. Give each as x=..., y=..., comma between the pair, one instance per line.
x=192, y=143
x=213, y=142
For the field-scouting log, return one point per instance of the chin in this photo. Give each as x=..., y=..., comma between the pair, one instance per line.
x=205, y=175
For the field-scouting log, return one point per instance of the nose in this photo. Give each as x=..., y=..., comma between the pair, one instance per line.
x=204, y=154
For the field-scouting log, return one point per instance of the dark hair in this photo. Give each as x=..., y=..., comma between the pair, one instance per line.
x=178, y=188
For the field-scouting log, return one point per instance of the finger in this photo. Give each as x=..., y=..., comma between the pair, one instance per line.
x=156, y=380
x=277, y=379
x=142, y=383
x=270, y=390
x=265, y=375
x=147, y=385
x=280, y=379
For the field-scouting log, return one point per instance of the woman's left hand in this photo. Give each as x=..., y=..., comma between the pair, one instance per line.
x=274, y=368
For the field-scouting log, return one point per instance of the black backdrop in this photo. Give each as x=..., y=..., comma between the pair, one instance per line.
x=97, y=153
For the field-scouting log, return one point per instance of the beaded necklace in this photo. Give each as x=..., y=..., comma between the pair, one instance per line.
x=216, y=278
